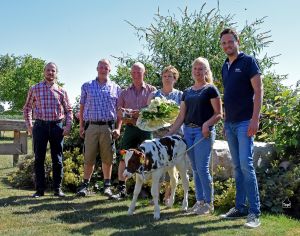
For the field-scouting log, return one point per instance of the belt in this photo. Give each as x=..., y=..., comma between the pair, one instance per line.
x=48, y=122
x=110, y=122
x=192, y=125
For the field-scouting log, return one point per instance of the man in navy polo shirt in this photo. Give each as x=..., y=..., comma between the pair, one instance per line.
x=243, y=93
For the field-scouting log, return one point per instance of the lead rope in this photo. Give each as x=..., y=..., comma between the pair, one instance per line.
x=141, y=168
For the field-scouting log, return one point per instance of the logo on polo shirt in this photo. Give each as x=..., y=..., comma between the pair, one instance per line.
x=238, y=70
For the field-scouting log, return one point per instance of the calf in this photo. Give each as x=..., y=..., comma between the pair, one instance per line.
x=152, y=159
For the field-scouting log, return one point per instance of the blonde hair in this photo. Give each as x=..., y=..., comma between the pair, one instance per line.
x=171, y=69
x=204, y=61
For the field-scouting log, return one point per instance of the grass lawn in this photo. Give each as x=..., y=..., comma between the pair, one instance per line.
x=95, y=215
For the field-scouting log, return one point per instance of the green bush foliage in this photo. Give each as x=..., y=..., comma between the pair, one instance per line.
x=278, y=184
x=281, y=123
x=73, y=169
x=224, y=194
x=24, y=177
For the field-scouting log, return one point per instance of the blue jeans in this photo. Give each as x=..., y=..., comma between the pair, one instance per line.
x=43, y=132
x=241, y=149
x=200, y=157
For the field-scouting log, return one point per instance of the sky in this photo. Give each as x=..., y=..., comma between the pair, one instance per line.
x=75, y=34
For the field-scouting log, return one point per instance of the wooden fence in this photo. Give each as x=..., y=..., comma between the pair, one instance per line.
x=19, y=145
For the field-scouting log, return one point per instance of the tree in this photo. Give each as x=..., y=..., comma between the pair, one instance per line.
x=17, y=75
x=178, y=40
x=1, y=108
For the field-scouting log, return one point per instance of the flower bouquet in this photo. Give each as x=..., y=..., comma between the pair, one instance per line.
x=160, y=113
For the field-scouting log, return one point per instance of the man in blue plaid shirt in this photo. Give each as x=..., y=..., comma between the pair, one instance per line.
x=98, y=114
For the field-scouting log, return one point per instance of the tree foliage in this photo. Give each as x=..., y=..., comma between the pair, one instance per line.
x=281, y=122
x=178, y=40
x=17, y=75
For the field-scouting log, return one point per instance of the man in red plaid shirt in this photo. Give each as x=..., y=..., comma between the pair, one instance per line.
x=49, y=105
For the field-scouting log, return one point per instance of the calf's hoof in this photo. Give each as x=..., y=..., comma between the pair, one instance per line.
x=130, y=212
x=156, y=216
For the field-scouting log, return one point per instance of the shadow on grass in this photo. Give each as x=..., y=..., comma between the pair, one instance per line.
x=144, y=224
x=102, y=214
x=28, y=200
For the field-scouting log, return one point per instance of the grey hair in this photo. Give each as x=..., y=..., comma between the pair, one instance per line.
x=140, y=65
x=104, y=60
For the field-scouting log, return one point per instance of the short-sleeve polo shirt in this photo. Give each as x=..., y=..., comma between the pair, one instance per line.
x=238, y=90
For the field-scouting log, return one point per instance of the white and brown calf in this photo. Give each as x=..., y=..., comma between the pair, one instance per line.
x=152, y=159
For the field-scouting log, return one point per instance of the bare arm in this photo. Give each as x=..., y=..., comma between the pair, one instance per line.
x=179, y=120
x=257, y=86
x=81, y=121
x=217, y=107
x=27, y=111
x=69, y=115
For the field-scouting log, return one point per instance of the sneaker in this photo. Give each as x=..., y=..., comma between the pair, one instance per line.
x=195, y=208
x=233, y=213
x=83, y=191
x=120, y=195
x=204, y=209
x=252, y=221
x=59, y=193
x=107, y=191
x=38, y=194
x=167, y=201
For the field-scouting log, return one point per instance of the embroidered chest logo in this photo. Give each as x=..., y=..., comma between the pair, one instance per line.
x=238, y=70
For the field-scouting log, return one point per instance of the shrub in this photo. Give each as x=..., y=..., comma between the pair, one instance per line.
x=24, y=177
x=224, y=194
x=281, y=122
x=277, y=185
x=73, y=169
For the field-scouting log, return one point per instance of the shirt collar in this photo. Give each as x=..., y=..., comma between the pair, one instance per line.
x=108, y=81
x=49, y=85
x=143, y=85
x=241, y=54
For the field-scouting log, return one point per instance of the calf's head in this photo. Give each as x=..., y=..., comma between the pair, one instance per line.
x=134, y=160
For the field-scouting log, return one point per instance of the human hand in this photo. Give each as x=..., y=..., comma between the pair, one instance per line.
x=81, y=132
x=135, y=114
x=29, y=131
x=129, y=116
x=205, y=130
x=115, y=133
x=253, y=127
x=66, y=131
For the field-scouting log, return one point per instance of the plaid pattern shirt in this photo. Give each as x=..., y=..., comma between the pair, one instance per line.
x=99, y=100
x=47, y=102
x=133, y=99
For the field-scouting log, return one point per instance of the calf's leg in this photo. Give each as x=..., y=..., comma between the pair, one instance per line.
x=173, y=183
x=155, y=193
x=182, y=168
x=136, y=192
